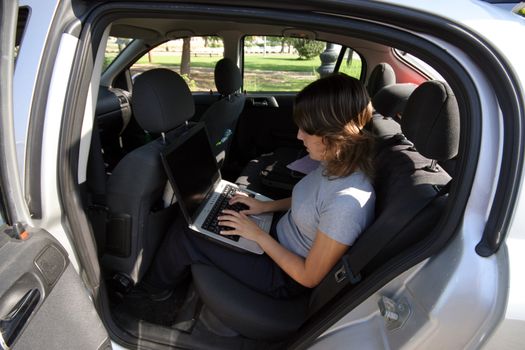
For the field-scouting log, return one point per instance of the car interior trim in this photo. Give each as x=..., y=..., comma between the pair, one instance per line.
x=33, y=161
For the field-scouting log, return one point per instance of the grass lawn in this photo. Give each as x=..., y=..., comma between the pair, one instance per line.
x=270, y=62
x=271, y=72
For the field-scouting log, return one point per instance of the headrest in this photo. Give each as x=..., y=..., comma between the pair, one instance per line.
x=431, y=120
x=382, y=75
x=227, y=77
x=391, y=100
x=161, y=100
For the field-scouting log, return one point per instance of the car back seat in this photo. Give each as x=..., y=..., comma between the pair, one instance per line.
x=411, y=195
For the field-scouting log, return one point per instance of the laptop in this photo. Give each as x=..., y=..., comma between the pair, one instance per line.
x=201, y=192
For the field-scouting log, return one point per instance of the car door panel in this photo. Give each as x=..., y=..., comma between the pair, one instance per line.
x=203, y=100
x=43, y=304
x=266, y=124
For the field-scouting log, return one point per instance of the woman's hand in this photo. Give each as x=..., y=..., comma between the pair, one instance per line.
x=255, y=206
x=240, y=222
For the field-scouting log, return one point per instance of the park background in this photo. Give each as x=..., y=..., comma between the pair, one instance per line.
x=270, y=63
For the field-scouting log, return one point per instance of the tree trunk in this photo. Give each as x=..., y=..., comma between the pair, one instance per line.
x=186, y=56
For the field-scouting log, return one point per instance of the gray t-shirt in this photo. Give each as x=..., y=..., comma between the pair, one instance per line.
x=339, y=207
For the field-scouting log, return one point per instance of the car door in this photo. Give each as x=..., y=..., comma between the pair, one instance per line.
x=43, y=301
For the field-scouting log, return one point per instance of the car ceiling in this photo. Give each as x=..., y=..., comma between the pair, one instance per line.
x=161, y=29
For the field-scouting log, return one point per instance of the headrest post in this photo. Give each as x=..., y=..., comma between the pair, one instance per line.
x=163, y=135
x=432, y=167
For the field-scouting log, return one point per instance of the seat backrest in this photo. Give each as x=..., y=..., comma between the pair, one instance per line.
x=382, y=75
x=162, y=103
x=409, y=176
x=407, y=184
x=221, y=117
x=431, y=121
x=391, y=100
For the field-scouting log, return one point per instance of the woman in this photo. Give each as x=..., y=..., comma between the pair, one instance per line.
x=328, y=209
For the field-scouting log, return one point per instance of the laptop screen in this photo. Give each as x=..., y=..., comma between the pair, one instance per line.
x=191, y=168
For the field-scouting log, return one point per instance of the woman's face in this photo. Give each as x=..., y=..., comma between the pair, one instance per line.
x=314, y=145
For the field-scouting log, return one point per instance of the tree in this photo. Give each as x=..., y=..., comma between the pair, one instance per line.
x=307, y=49
x=249, y=41
x=214, y=41
x=285, y=41
x=186, y=57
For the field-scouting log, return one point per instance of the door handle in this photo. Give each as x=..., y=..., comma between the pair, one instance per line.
x=264, y=101
x=12, y=324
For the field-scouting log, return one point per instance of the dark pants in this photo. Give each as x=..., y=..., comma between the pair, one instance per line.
x=183, y=247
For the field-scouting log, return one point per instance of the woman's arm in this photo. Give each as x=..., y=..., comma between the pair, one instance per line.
x=279, y=204
x=309, y=272
x=257, y=207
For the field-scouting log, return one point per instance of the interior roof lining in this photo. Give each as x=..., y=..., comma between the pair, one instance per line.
x=142, y=28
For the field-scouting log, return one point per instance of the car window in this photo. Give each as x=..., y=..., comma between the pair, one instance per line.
x=194, y=58
x=278, y=63
x=352, y=64
x=519, y=9
x=114, y=47
x=418, y=64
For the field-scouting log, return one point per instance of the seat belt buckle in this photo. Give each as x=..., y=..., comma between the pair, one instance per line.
x=345, y=272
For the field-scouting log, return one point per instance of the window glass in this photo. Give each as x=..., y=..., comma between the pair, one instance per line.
x=113, y=48
x=194, y=58
x=351, y=64
x=418, y=64
x=276, y=63
x=519, y=9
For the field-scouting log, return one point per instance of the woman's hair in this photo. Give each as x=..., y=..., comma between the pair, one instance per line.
x=337, y=108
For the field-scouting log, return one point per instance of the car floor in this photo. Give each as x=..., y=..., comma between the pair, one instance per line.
x=179, y=320
x=139, y=306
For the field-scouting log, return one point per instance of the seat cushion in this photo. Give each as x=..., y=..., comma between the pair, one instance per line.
x=255, y=176
x=250, y=313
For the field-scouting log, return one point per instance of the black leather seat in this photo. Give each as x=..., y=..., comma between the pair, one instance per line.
x=138, y=217
x=221, y=117
x=407, y=208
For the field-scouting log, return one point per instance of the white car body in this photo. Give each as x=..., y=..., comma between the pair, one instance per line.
x=457, y=298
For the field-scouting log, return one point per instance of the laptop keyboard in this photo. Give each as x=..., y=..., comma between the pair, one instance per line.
x=211, y=223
